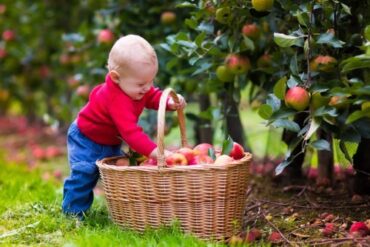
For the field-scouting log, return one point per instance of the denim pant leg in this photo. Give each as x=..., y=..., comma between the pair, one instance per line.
x=82, y=155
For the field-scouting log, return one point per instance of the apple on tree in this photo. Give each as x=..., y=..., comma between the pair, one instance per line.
x=297, y=98
x=168, y=17
x=224, y=74
x=237, y=64
x=105, y=36
x=223, y=15
x=323, y=63
x=251, y=30
x=262, y=5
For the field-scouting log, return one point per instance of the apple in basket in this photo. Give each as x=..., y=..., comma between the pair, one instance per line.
x=176, y=159
x=202, y=159
x=223, y=159
x=202, y=149
x=237, y=151
x=149, y=162
x=122, y=162
x=188, y=153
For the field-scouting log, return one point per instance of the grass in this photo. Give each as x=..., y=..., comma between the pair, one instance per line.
x=31, y=216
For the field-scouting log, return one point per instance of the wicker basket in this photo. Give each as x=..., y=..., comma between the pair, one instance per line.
x=207, y=199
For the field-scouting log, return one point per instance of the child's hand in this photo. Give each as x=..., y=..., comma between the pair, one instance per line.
x=172, y=105
x=154, y=153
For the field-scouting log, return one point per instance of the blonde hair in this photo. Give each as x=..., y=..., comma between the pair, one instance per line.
x=131, y=49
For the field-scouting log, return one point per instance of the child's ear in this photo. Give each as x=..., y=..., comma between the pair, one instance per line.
x=114, y=76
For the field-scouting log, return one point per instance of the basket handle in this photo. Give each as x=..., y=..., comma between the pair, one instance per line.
x=161, y=125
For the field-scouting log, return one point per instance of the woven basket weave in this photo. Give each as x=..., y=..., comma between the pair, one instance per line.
x=207, y=199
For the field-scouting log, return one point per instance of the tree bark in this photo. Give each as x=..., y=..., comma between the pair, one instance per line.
x=326, y=160
x=294, y=169
x=361, y=161
x=234, y=125
x=203, y=129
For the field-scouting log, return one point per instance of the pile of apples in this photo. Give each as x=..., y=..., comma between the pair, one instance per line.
x=200, y=154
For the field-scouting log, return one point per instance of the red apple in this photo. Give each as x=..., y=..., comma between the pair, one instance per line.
x=58, y=174
x=359, y=229
x=237, y=64
x=176, y=159
x=83, y=91
x=201, y=159
x=8, y=35
x=297, y=98
x=188, y=153
x=251, y=31
x=105, y=36
x=2, y=9
x=202, y=149
x=168, y=17
x=323, y=63
x=51, y=152
x=122, y=162
x=275, y=237
x=264, y=61
x=223, y=159
x=38, y=153
x=149, y=162
x=44, y=71
x=237, y=151
x=3, y=53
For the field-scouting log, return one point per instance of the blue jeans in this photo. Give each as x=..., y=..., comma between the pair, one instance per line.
x=82, y=154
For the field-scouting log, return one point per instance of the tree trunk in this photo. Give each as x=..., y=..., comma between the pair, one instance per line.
x=203, y=129
x=326, y=160
x=234, y=125
x=361, y=161
x=294, y=169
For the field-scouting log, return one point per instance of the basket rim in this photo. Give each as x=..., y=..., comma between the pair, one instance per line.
x=102, y=165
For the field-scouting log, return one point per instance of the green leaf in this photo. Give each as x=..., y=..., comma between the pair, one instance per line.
x=286, y=124
x=212, y=153
x=358, y=62
x=206, y=27
x=346, y=8
x=344, y=150
x=265, y=111
x=280, y=88
x=227, y=145
x=273, y=101
x=303, y=18
x=203, y=67
x=314, y=125
x=293, y=81
x=200, y=38
x=329, y=39
x=294, y=64
x=356, y=115
x=186, y=5
x=321, y=145
x=284, y=40
x=191, y=23
x=280, y=168
x=248, y=43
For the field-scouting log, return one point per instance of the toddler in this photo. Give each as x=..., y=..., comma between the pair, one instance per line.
x=110, y=116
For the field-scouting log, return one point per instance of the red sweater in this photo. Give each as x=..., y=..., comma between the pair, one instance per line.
x=111, y=116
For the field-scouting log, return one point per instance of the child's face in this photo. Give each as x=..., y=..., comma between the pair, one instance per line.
x=137, y=81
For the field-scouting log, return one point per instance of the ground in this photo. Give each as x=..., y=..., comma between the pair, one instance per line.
x=288, y=215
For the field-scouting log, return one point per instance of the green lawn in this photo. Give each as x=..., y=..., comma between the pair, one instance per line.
x=31, y=216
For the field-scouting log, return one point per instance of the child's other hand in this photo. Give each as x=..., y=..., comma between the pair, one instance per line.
x=172, y=105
